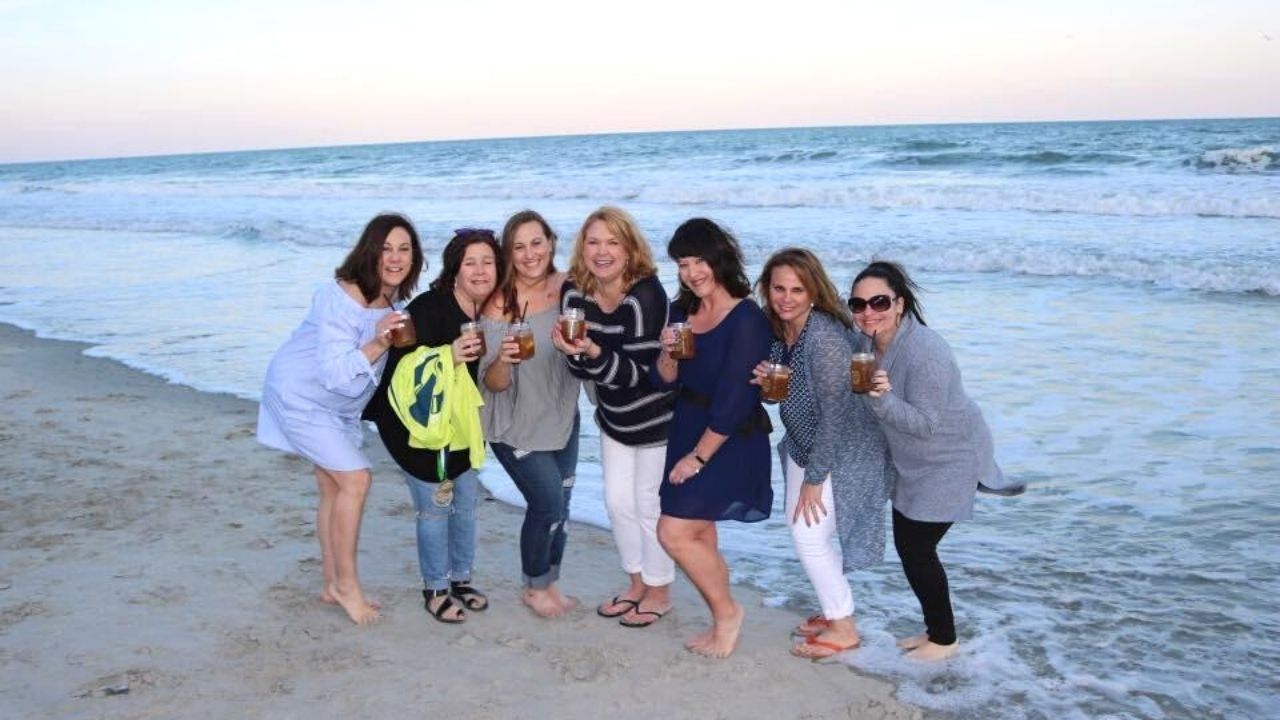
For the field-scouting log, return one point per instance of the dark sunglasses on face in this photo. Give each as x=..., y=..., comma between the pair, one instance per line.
x=879, y=303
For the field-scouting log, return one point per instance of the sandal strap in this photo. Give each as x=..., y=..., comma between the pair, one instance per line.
x=443, y=607
x=464, y=591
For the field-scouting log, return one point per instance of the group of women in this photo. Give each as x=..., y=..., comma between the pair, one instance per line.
x=684, y=435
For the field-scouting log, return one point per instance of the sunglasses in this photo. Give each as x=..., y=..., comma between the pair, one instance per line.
x=468, y=231
x=879, y=303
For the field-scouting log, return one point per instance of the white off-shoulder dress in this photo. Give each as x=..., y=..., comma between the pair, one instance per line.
x=319, y=381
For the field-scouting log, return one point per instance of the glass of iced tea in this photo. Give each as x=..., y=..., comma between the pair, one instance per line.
x=473, y=328
x=776, y=382
x=573, y=325
x=523, y=333
x=683, y=349
x=405, y=335
x=861, y=368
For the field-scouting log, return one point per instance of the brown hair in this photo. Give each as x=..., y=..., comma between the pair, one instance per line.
x=507, y=290
x=360, y=268
x=639, y=257
x=821, y=290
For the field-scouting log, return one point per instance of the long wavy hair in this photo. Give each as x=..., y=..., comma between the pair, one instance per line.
x=822, y=292
x=360, y=267
x=640, y=263
x=507, y=289
x=702, y=238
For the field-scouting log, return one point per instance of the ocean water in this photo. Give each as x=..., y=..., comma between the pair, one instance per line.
x=1112, y=292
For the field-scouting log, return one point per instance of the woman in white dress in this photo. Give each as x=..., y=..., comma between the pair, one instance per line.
x=319, y=381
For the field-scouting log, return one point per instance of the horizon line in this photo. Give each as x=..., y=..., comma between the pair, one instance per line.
x=549, y=136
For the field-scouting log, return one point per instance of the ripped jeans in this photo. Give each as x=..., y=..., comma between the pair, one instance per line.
x=545, y=479
x=446, y=533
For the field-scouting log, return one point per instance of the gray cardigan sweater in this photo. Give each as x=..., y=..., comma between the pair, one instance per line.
x=940, y=445
x=848, y=446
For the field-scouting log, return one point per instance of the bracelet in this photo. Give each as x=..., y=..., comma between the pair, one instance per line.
x=698, y=458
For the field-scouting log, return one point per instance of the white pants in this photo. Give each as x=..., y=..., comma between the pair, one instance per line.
x=819, y=549
x=632, y=476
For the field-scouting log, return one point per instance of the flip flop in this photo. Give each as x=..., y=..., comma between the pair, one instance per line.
x=630, y=605
x=812, y=625
x=645, y=623
x=823, y=648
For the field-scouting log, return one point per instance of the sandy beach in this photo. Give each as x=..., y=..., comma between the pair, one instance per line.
x=155, y=562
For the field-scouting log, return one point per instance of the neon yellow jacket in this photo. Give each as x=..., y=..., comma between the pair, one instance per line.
x=439, y=405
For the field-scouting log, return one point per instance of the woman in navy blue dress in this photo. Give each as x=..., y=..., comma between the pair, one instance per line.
x=717, y=465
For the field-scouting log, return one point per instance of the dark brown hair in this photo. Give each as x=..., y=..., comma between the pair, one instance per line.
x=453, y=254
x=702, y=238
x=898, y=281
x=361, y=266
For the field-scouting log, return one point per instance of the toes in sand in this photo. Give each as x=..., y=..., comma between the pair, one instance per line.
x=355, y=604
x=542, y=603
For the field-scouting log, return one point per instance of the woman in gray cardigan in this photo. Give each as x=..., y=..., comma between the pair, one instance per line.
x=939, y=443
x=833, y=455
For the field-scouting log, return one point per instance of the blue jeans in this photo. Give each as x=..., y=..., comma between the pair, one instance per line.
x=545, y=479
x=446, y=533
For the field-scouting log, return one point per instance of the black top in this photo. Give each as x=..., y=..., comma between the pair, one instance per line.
x=438, y=320
x=629, y=409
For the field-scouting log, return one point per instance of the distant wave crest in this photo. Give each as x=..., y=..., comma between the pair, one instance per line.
x=1236, y=275
x=794, y=156
x=1240, y=160
x=969, y=158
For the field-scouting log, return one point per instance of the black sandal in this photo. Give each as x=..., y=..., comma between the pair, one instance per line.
x=470, y=597
x=442, y=608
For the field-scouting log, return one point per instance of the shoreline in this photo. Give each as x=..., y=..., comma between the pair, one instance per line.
x=158, y=562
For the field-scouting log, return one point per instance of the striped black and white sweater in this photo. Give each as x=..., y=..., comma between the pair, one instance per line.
x=628, y=409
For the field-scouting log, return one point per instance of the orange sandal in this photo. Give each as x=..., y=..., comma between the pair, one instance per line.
x=812, y=625
x=814, y=648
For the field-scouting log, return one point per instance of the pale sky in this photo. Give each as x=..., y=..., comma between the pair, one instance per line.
x=109, y=78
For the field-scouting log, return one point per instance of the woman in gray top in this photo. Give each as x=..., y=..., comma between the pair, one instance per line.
x=530, y=413
x=833, y=455
x=940, y=445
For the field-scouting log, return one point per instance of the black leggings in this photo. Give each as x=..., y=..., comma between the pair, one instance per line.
x=917, y=544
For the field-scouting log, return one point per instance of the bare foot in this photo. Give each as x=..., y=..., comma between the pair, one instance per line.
x=354, y=603
x=566, y=602
x=542, y=603
x=328, y=599
x=724, y=637
x=933, y=652
x=913, y=642
x=702, y=640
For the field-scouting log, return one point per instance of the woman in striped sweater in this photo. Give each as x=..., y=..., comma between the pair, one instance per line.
x=613, y=281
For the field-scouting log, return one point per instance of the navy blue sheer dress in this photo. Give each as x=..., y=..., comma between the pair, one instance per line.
x=713, y=390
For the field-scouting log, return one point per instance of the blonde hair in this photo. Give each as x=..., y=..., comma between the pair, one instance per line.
x=639, y=257
x=821, y=291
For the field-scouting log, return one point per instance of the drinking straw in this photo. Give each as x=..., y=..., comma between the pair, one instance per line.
x=524, y=311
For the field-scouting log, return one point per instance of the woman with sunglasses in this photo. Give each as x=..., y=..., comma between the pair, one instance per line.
x=717, y=464
x=442, y=484
x=613, y=281
x=530, y=413
x=833, y=455
x=320, y=380
x=940, y=445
